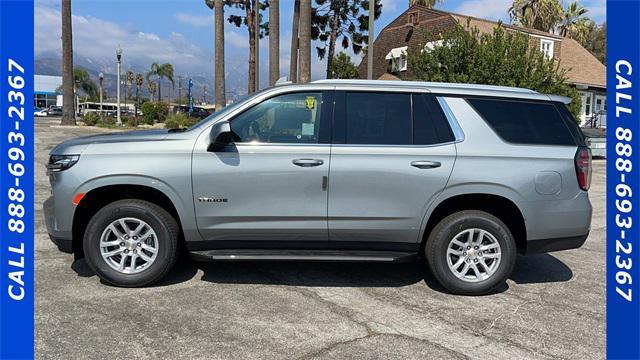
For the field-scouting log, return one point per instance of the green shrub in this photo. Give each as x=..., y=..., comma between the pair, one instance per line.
x=91, y=119
x=129, y=121
x=154, y=112
x=179, y=120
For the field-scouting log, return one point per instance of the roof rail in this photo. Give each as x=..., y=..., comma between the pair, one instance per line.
x=425, y=84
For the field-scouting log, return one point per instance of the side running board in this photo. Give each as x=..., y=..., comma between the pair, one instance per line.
x=303, y=255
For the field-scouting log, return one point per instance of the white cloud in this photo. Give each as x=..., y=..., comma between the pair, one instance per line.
x=195, y=20
x=486, y=9
x=597, y=9
x=97, y=39
x=236, y=40
x=389, y=5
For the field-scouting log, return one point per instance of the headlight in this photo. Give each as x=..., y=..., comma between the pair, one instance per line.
x=62, y=162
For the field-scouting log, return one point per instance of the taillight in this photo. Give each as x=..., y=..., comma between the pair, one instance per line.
x=583, y=167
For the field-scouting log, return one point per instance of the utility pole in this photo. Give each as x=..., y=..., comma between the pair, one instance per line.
x=119, y=60
x=372, y=16
x=179, y=92
x=257, y=26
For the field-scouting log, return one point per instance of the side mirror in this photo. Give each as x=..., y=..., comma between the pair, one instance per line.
x=220, y=136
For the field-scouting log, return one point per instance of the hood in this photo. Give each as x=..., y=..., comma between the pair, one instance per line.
x=78, y=145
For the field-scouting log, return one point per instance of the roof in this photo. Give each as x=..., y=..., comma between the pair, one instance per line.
x=440, y=88
x=387, y=76
x=580, y=65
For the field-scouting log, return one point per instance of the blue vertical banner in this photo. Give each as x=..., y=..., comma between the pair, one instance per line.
x=16, y=179
x=623, y=182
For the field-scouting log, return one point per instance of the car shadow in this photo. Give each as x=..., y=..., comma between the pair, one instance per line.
x=532, y=269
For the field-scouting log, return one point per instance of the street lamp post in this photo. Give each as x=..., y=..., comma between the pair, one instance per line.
x=118, y=59
x=101, y=77
x=179, y=92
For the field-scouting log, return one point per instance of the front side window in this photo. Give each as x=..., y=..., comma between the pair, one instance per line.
x=289, y=118
x=378, y=118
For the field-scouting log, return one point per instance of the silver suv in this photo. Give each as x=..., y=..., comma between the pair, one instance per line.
x=464, y=176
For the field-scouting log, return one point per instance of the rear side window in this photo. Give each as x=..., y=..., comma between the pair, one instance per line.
x=377, y=118
x=430, y=125
x=525, y=122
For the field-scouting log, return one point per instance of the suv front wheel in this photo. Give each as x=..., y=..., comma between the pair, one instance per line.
x=131, y=243
x=471, y=252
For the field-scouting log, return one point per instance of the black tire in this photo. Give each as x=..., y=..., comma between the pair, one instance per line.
x=162, y=223
x=444, y=232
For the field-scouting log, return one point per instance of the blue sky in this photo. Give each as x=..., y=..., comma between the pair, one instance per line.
x=181, y=32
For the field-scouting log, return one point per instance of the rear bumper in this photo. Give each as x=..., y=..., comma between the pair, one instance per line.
x=557, y=244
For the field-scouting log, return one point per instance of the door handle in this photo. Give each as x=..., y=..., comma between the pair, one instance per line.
x=426, y=164
x=307, y=162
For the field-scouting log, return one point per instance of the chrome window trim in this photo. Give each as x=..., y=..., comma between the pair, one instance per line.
x=451, y=118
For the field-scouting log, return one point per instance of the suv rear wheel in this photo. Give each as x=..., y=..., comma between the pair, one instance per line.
x=471, y=252
x=131, y=243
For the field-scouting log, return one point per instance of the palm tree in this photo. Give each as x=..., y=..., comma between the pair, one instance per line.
x=139, y=81
x=542, y=15
x=428, y=3
x=219, y=79
x=274, y=41
x=68, y=111
x=573, y=21
x=151, y=88
x=130, y=78
x=295, y=41
x=305, y=41
x=161, y=71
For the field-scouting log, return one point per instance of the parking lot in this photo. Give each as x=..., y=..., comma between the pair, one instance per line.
x=552, y=307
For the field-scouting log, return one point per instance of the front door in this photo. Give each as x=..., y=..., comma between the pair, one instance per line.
x=392, y=154
x=269, y=189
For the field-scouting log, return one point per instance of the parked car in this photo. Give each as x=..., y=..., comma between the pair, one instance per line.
x=464, y=176
x=50, y=111
x=596, y=139
x=39, y=112
x=198, y=112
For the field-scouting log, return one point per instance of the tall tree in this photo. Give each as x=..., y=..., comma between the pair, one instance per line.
x=347, y=20
x=151, y=88
x=428, y=3
x=139, y=81
x=596, y=41
x=83, y=82
x=248, y=20
x=161, y=71
x=219, y=81
x=343, y=68
x=542, y=15
x=501, y=58
x=305, y=41
x=68, y=111
x=130, y=78
x=295, y=42
x=274, y=41
x=574, y=23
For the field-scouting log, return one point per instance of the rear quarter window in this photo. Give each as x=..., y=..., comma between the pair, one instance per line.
x=525, y=122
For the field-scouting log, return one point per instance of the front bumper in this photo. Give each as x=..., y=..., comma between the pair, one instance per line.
x=62, y=238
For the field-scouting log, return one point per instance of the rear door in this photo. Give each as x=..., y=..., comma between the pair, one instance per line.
x=392, y=153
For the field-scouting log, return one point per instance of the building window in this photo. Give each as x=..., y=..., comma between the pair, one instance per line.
x=414, y=18
x=546, y=47
x=398, y=57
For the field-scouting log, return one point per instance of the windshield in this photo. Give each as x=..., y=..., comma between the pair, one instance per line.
x=241, y=101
